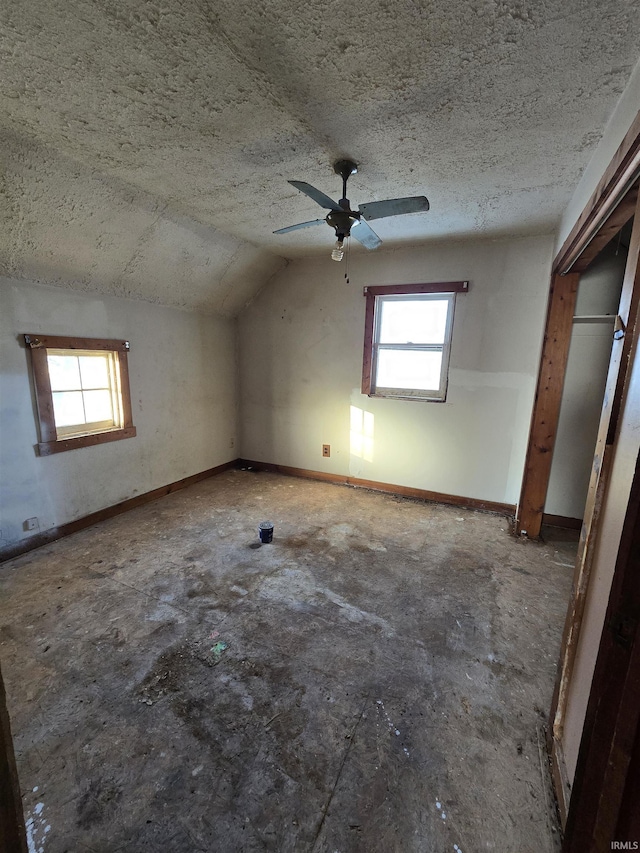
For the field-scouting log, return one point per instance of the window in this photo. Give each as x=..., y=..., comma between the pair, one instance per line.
x=82, y=391
x=408, y=339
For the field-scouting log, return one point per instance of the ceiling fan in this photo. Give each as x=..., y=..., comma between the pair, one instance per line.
x=347, y=222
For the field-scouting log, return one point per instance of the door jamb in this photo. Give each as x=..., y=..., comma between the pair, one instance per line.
x=610, y=206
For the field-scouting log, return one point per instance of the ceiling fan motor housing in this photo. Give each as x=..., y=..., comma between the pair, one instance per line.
x=342, y=222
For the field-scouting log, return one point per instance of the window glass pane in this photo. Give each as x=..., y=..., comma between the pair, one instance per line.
x=409, y=369
x=413, y=321
x=98, y=406
x=63, y=372
x=67, y=408
x=94, y=370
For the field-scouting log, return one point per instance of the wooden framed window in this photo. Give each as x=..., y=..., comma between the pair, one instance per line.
x=82, y=391
x=407, y=340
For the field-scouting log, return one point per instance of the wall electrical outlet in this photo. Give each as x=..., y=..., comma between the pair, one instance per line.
x=326, y=450
x=31, y=523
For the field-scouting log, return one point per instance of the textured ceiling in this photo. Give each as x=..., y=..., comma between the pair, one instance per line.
x=137, y=130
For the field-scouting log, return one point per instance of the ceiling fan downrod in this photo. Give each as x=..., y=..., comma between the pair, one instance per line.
x=345, y=168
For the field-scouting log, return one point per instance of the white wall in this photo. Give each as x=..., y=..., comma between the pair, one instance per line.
x=301, y=362
x=183, y=372
x=587, y=367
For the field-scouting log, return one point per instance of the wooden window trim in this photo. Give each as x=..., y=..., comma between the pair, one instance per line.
x=49, y=441
x=430, y=287
x=370, y=294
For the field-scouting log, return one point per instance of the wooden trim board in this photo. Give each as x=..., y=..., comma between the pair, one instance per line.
x=618, y=219
x=367, y=356
x=604, y=806
x=13, y=838
x=560, y=777
x=59, y=342
x=388, y=488
x=619, y=176
x=562, y=521
x=46, y=448
x=408, y=289
x=48, y=536
x=55, y=533
x=546, y=406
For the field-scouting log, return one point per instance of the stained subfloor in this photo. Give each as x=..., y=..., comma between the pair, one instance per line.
x=375, y=680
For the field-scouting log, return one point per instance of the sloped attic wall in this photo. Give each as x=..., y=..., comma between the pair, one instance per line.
x=183, y=392
x=71, y=226
x=301, y=346
x=82, y=255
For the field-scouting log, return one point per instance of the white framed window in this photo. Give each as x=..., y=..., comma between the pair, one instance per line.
x=408, y=340
x=82, y=391
x=85, y=390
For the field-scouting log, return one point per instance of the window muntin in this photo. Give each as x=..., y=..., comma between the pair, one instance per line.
x=82, y=391
x=411, y=345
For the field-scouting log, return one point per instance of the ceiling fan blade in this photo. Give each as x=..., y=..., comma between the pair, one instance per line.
x=319, y=197
x=394, y=207
x=296, y=227
x=365, y=234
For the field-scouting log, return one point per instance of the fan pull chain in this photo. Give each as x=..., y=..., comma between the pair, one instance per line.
x=346, y=271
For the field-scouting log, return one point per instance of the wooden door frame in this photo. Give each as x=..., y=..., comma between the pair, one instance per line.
x=612, y=204
x=13, y=838
x=617, y=381
x=546, y=407
x=610, y=207
x=604, y=805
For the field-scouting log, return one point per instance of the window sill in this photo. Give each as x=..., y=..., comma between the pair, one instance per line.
x=407, y=397
x=47, y=448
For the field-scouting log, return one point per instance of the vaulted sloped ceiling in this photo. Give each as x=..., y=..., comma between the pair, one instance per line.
x=147, y=145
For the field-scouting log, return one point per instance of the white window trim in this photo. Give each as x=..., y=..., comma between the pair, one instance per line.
x=438, y=394
x=114, y=388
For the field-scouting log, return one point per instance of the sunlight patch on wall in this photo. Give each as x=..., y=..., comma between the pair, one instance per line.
x=361, y=434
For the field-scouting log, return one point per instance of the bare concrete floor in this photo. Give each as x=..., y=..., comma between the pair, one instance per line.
x=376, y=679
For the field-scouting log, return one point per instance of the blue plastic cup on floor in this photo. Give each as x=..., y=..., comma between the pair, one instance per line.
x=265, y=529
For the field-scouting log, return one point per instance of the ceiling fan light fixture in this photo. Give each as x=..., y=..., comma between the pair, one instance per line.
x=342, y=219
x=338, y=250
